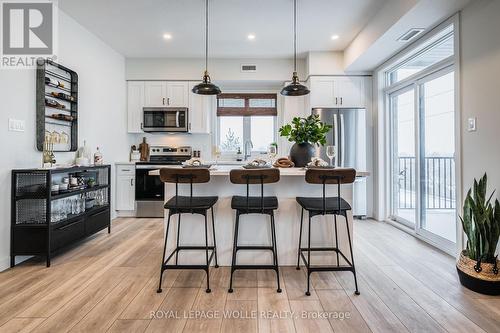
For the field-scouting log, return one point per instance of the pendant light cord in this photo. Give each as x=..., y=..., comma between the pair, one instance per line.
x=206, y=35
x=294, y=35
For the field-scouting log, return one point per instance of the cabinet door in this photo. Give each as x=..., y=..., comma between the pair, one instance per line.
x=322, y=93
x=200, y=111
x=177, y=94
x=155, y=93
x=125, y=193
x=135, y=102
x=349, y=92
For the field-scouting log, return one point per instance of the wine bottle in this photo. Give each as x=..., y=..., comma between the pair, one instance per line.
x=63, y=96
x=60, y=116
x=53, y=82
x=53, y=103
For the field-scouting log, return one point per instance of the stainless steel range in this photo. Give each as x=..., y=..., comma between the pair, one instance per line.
x=149, y=190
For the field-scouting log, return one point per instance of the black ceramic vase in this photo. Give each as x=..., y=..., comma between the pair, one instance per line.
x=302, y=153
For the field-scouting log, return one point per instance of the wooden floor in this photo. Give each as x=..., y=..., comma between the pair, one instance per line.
x=108, y=284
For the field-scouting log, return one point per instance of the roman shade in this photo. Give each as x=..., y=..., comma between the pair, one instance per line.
x=246, y=105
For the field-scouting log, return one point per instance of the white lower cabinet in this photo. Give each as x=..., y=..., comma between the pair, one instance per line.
x=125, y=187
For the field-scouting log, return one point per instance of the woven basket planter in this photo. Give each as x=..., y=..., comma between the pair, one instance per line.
x=485, y=282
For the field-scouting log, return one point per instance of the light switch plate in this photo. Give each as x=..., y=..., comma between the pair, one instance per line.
x=471, y=124
x=16, y=125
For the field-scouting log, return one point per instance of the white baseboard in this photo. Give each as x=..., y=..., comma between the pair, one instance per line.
x=5, y=262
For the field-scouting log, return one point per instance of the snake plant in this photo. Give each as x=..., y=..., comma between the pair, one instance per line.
x=481, y=223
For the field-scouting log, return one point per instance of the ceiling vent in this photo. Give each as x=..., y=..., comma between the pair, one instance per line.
x=248, y=68
x=410, y=34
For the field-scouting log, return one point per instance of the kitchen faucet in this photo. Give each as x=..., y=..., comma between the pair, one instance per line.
x=248, y=153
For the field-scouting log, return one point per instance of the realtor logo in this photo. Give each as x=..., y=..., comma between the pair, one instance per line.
x=28, y=30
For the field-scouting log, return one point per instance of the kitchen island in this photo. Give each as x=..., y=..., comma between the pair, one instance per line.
x=254, y=228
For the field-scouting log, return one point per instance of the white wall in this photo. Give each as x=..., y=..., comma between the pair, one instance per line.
x=272, y=70
x=480, y=98
x=102, y=110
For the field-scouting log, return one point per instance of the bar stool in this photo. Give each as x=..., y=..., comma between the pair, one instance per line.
x=188, y=205
x=326, y=206
x=254, y=205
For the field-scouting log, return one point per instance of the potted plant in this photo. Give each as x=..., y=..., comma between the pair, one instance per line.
x=305, y=132
x=478, y=265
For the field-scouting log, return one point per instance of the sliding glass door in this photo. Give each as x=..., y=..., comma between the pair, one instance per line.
x=423, y=193
x=437, y=157
x=403, y=168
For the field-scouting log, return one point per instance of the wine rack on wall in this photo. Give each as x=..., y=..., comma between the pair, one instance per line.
x=56, y=107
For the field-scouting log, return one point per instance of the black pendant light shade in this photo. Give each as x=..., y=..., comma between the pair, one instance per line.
x=295, y=88
x=206, y=87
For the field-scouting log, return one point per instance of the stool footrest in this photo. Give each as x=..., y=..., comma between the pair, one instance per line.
x=235, y=267
x=317, y=249
x=254, y=247
x=177, y=249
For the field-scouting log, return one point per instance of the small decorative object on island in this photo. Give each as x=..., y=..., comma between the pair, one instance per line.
x=83, y=155
x=478, y=265
x=305, y=132
x=144, y=149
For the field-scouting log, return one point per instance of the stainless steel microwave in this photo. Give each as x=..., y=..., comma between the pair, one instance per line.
x=162, y=119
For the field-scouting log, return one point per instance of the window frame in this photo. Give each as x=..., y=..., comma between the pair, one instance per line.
x=247, y=113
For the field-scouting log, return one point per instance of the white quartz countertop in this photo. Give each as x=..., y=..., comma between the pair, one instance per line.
x=223, y=170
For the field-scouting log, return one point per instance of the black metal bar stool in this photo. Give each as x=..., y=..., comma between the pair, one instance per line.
x=188, y=205
x=254, y=205
x=326, y=206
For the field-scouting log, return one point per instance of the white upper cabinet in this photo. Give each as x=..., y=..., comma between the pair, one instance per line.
x=177, y=94
x=349, y=92
x=135, y=103
x=337, y=92
x=201, y=108
x=155, y=93
x=322, y=92
x=166, y=93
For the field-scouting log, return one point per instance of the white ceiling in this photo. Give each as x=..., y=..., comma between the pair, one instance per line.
x=135, y=28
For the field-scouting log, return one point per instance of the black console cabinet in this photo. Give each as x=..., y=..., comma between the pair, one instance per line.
x=34, y=229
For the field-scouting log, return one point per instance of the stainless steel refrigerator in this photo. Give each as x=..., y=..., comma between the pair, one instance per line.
x=348, y=135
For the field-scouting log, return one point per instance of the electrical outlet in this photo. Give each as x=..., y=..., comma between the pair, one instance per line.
x=471, y=124
x=16, y=125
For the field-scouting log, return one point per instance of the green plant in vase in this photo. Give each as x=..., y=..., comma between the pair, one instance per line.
x=305, y=133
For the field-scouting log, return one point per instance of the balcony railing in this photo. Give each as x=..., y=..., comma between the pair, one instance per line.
x=438, y=178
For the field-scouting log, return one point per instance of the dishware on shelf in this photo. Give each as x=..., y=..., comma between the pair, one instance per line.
x=63, y=187
x=54, y=188
x=330, y=152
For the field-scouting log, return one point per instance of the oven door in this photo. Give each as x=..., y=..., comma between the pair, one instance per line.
x=148, y=188
x=165, y=119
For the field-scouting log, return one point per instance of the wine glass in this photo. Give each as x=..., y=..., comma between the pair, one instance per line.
x=272, y=152
x=330, y=152
x=216, y=151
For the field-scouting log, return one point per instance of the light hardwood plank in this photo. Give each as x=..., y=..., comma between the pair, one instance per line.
x=172, y=313
x=208, y=311
x=274, y=311
x=21, y=325
x=296, y=284
x=241, y=316
x=129, y=326
x=310, y=317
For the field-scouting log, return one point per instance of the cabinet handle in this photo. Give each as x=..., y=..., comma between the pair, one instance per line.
x=131, y=182
x=336, y=100
x=163, y=100
x=125, y=170
x=340, y=100
x=168, y=100
x=189, y=126
x=142, y=126
x=69, y=225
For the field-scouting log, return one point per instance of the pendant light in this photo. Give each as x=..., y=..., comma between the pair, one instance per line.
x=206, y=87
x=295, y=88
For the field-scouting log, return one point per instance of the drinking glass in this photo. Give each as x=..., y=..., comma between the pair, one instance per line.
x=217, y=153
x=330, y=152
x=272, y=152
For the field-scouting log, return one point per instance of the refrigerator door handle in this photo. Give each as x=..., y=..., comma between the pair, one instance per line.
x=336, y=139
x=341, y=134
